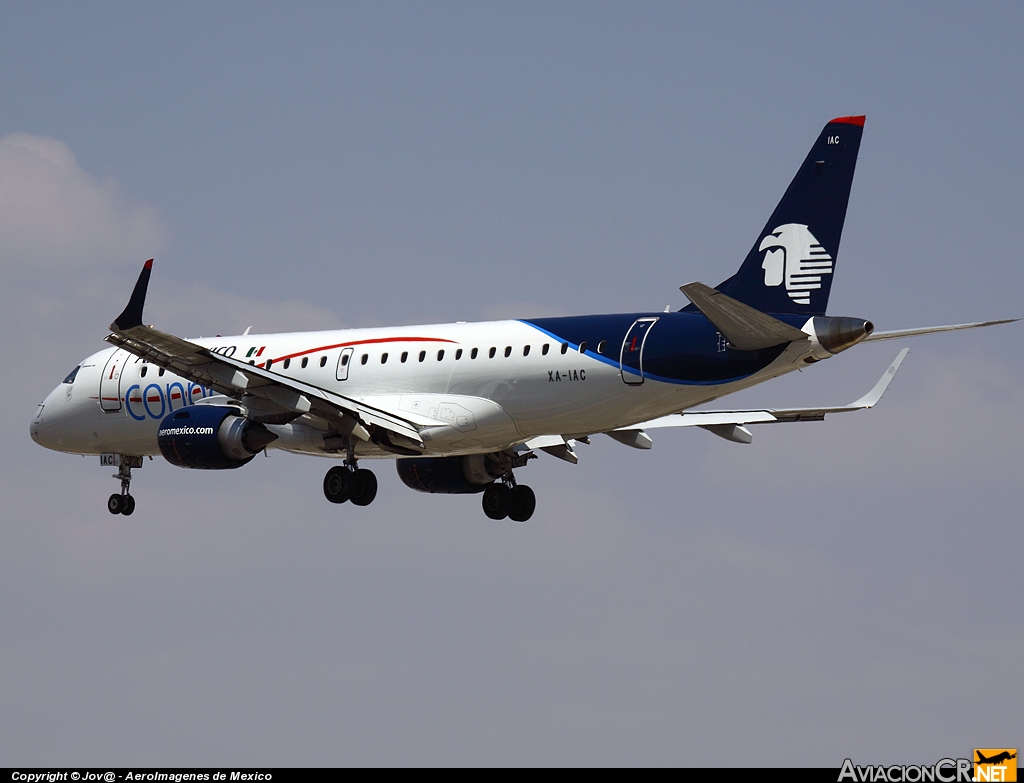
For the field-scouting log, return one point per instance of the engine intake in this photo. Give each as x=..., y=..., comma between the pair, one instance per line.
x=448, y=475
x=211, y=437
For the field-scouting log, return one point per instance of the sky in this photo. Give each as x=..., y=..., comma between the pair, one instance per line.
x=842, y=589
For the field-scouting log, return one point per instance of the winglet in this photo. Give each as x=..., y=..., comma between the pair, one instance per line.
x=132, y=314
x=872, y=397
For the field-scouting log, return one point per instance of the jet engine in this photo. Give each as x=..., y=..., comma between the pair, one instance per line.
x=211, y=437
x=448, y=475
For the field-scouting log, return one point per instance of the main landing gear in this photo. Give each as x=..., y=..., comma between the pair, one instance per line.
x=505, y=498
x=347, y=482
x=124, y=503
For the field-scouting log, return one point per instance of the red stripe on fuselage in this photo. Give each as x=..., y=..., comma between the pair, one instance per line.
x=363, y=342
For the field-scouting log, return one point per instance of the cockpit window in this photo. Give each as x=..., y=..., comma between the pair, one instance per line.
x=72, y=374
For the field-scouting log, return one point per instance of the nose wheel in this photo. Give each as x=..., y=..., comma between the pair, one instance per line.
x=123, y=502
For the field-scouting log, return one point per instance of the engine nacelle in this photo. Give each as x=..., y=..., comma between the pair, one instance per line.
x=448, y=475
x=211, y=437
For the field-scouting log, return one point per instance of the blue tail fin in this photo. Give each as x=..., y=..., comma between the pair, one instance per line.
x=789, y=268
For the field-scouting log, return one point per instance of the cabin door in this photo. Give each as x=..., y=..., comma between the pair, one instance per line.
x=631, y=358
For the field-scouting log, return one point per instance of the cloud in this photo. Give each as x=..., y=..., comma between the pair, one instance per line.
x=54, y=214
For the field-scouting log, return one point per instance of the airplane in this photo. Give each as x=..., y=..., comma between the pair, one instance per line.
x=996, y=759
x=462, y=406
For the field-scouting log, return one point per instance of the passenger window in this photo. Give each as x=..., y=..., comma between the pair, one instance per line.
x=142, y=373
x=363, y=358
x=508, y=351
x=305, y=361
x=565, y=347
x=384, y=358
x=472, y=354
x=601, y=346
x=440, y=355
x=269, y=363
x=490, y=353
x=544, y=350
x=423, y=355
x=287, y=363
x=161, y=373
x=458, y=354
x=526, y=350
x=583, y=347
x=323, y=361
x=405, y=355
x=344, y=360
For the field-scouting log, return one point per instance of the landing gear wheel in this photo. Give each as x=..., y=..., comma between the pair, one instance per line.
x=364, y=487
x=523, y=503
x=127, y=505
x=114, y=504
x=338, y=484
x=497, y=501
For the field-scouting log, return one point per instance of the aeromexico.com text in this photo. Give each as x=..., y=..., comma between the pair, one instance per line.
x=166, y=431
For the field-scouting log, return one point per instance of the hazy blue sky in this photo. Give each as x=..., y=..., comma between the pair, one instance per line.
x=842, y=589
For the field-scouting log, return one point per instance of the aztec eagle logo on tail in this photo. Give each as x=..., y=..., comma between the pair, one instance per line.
x=796, y=257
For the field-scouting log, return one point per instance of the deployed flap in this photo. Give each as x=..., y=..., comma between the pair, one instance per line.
x=634, y=438
x=745, y=328
x=737, y=433
x=933, y=329
x=555, y=445
x=715, y=421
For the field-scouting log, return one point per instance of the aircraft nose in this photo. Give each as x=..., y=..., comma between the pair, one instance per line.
x=33, y=427
x=42, y=428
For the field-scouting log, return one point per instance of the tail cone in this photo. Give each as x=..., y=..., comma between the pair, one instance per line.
x=838, y=334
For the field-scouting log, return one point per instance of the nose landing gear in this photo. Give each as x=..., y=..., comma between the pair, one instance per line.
x=124, y=503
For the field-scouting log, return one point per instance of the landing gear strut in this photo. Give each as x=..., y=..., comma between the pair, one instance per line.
x=505, y=498
x=348, y=482
x=124, y=503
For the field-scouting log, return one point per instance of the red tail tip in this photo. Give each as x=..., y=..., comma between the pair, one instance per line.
x=148, y=264
x=855, y=120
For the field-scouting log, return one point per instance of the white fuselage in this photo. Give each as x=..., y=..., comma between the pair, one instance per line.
x=473, y=388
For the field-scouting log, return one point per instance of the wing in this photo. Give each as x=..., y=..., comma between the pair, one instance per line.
x=730, y=424
x=273, y=394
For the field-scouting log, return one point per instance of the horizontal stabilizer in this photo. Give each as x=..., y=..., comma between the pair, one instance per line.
x=933, y=330
x=745, y=328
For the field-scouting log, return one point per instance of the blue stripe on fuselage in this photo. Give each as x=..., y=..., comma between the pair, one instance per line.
x=681, y=348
